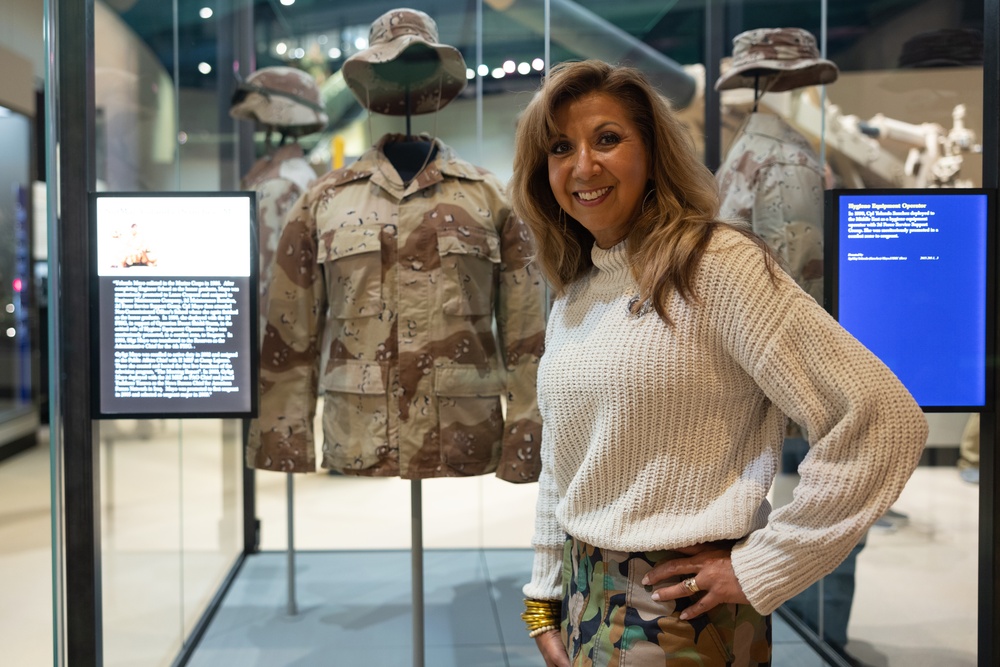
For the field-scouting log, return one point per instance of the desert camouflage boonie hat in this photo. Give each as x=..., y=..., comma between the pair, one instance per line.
x=281, y=97
x=434, y=73
x=786, y=57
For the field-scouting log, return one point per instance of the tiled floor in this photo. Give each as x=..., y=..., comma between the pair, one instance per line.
x=354, y=609
x=915, y=604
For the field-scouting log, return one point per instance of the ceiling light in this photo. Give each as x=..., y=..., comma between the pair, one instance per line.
x=483, y=70
x=204, y=67
x=299, y=53
x=509, y=66
x=280, y=48
x=288, y=3
x=498, y=73
x=470, y=73
x=361, y=43
x=334, y=53
x=523, y=68
x=538, y=64
x=205, y=12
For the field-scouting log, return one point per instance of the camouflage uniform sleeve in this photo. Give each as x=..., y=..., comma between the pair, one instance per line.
x=521, y=326
x=282, y=436
x=275, y=199
x=788, y=215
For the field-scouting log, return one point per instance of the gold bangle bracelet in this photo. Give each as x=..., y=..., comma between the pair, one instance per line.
x=540, y=614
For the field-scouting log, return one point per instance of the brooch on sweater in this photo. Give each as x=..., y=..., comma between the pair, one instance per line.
x=637, y=309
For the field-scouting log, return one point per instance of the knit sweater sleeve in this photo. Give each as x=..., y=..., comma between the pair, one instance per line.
x=548, y=538
x=866, y=433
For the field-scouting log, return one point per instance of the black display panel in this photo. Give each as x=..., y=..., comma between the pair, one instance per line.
x=173, y=298
x=908, y=273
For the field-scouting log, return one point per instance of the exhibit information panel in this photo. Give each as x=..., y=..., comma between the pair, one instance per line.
x=175, y=279
x=907, y=276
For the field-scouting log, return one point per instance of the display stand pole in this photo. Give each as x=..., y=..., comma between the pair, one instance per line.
x=290, y=487
x=417, y=557
x=416, y=522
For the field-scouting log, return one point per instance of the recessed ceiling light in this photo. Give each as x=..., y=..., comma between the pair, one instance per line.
x=205, y=12
x=204, y=67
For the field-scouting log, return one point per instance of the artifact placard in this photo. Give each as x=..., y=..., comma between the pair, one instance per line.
x=174, y=281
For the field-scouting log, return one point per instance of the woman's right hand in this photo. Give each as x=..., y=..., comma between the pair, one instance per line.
x=552, y=649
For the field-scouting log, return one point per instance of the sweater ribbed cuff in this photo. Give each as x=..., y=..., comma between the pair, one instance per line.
x=768, y=581
x=546, y=575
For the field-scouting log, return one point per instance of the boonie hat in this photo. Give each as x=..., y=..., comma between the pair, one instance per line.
x=281, y=97
x=787, y=57
x=410, y=37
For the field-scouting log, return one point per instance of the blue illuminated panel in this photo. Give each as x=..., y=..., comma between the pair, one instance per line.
x=910, y=284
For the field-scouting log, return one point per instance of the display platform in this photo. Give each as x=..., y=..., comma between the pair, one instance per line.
x=354, y=609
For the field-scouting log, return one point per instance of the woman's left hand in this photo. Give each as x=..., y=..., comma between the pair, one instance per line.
x=711, y=567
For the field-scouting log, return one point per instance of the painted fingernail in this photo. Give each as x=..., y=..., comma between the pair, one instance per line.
x=645, y=581
x=685, y=615
x=655, y=596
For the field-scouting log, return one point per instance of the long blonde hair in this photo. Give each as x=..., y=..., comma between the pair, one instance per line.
x=679, y=213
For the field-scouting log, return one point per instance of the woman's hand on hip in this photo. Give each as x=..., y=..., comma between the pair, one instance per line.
x=707, y=570
x=552, y=649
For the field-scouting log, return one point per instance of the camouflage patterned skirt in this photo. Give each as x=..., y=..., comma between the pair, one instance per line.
x=610, y=620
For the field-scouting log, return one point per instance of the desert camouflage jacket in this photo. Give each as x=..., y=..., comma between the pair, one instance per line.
x=279, y=179
x=773, y=179
x=427, y=315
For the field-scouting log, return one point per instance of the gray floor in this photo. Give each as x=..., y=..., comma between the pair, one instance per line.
x=354, y=609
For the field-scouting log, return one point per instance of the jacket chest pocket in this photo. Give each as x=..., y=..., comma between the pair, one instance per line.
x=352, y=261
x=470, y=267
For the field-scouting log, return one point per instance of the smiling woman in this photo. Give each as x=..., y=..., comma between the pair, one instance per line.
x=598, y=166
x=654, y=540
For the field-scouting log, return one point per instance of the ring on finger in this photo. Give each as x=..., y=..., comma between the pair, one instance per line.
x=691, y=585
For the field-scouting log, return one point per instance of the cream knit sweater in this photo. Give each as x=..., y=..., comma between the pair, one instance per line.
x=658, y=437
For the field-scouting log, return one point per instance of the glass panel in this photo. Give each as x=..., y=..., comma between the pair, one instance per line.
x=906, y=111
x=211, y=476
x=17, y=313
x=910, y=97
x=171, y=489
x=25, y=536
x=479, y=126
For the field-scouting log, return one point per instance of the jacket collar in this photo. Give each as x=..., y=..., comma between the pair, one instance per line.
x=375, y=166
